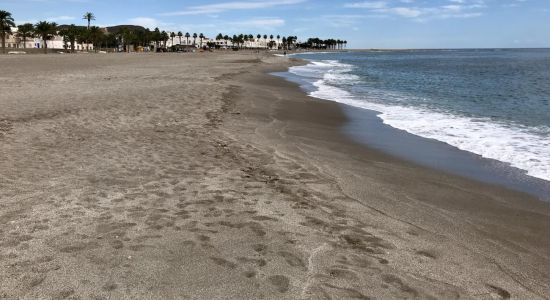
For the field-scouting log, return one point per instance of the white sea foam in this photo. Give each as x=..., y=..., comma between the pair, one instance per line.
x=522, y=147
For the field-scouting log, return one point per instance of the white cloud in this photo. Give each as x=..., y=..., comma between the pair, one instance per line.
x=261, y=22
x=422, y=12
x=146, y=22
x=60, y=19
x=152, y=23
x=367, y=4
x=226, y=6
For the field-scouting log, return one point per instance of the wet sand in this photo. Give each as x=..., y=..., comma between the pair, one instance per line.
x=200, y=176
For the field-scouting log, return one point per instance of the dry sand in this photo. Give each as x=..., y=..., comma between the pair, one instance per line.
x=198, y=176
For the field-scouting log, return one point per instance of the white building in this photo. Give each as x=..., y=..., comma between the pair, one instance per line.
x=188, y=42
x=256, y=43
x=57, y=43
x=15, y=42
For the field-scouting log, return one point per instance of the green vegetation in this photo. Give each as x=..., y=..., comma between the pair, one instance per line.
x=70, y=35
x=45, y=30
x=124, y=37
x=24, y=32
x=88, y=17
x=316, y=43
x=6, y=23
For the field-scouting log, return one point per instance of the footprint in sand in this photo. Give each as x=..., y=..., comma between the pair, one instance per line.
x=427, y=253
x=223, y=262
x=250, y=274
x=281, y=282
x=292, y=259
x=260, y=248
x=502, y=293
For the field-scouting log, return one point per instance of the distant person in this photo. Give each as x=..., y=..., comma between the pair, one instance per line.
x=285, y=53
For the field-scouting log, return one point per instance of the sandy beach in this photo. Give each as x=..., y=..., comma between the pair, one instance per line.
x=201, y=176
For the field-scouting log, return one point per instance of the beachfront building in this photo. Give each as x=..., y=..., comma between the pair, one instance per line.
x=188, y=42
x=255, y=43
x=15, y=42
x=57, y=42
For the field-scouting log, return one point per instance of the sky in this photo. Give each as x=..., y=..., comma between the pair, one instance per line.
x=364, y=24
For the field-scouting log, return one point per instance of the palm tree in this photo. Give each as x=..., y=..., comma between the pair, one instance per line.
x=172, y=36
x=278, y=38
x=187, y=36
x=96, y=35
x=194, y=39
x=6, y=23
x=219, y=37
x=45, y=30
x=201, y=36
x=225, y=40
x=84, y=38
x=88, y=17
x=164, y=36
x=240, y=40
x=25, y=31
x=290, y=40
x=156, y=36
x=128, y=37
x=70, y=35
x=346, y=44
x=180, y=34
x=142, y=37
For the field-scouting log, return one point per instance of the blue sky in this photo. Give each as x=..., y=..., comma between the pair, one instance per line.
x=365, y=24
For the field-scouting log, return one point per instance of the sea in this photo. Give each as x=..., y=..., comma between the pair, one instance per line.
x=482, y=113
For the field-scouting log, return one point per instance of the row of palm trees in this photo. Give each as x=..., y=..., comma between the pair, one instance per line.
x=144, y=37
x=241, y=40
x=47, y=30
x=317, y=43
x=73, y=34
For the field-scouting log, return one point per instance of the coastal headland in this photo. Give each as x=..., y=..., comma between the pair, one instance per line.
x=201, y=176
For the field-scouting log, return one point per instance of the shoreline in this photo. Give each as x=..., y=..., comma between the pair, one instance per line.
x=429, y=152
x=137, y=180
x=441, y=156
x=474, y=204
